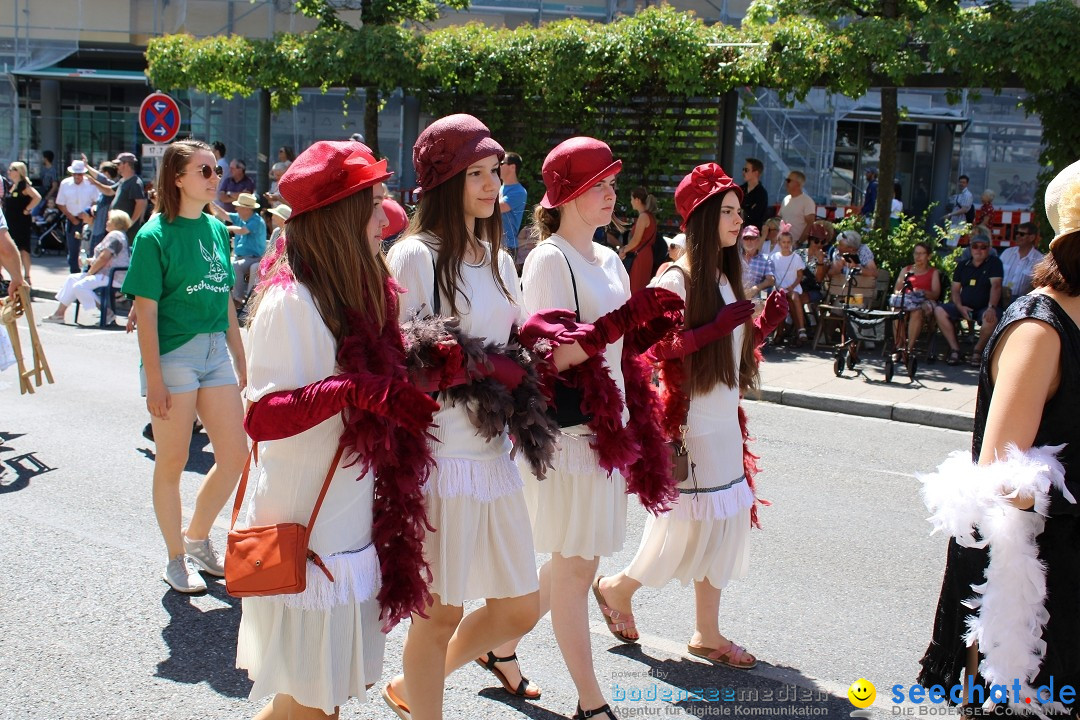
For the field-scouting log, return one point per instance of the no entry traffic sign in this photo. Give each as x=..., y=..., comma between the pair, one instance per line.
x=159, y=118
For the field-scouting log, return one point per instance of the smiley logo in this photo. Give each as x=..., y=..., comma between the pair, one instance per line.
x=862, y=693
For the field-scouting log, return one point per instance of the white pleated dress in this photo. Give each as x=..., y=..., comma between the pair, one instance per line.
x=577, y=510
x=705, y=536
x=481, y=547
x=324, y=645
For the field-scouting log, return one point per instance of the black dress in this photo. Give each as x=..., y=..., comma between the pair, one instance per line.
x=15, y=203
x=1059, y=543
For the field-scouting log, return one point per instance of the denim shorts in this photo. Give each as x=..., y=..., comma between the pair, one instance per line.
x=201, y=362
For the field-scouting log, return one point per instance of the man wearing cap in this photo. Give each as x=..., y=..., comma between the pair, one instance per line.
x=798, y=208
x=755, y=202
x=248, y=230
x=236, y=182
x=130, y=194
x=976, y=297
x=1019, y=261
x=75, y=198
x=758, y=273
x=512, y=200
x=676, y=248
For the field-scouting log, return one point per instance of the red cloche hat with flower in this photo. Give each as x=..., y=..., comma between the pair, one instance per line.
x=450, y=145
x=573, y=166
x=700, y=185
x=328, y=171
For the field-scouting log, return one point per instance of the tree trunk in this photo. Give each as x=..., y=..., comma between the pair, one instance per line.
x=371, y=119
x=890, y=124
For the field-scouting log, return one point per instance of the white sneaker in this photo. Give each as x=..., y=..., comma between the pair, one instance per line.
x=53, y=319
x=203, y=554
x=183, y=575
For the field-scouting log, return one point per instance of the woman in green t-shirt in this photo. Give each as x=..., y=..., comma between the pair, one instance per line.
x=180, y=277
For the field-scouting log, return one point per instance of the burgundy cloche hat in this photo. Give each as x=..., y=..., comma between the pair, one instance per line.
x=573, y=166
x=701, y=184
x=328, y=171
x=448, y=146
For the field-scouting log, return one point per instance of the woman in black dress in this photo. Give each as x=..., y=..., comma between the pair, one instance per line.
x=1014, y=516
x=19, y=202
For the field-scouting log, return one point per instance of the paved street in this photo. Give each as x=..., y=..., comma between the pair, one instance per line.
x=843, y=576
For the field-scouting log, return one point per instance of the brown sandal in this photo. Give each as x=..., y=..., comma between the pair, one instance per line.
x=522, y=690
x=396, y=704
x=616, y=621
x=734, y=656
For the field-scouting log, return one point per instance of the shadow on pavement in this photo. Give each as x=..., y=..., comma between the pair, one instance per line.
x=202, y=644
x=521, y=705
x=16, y=470
x=700, y=688
x=200, y=456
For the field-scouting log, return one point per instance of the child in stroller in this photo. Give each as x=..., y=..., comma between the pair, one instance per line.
x=48, y=232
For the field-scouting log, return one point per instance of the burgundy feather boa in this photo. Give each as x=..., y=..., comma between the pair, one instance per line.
x=437, y=344
x=601, y=399
x=401, y=461
x=649, y=475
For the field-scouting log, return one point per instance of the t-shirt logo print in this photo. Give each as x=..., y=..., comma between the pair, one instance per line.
x=216, y=273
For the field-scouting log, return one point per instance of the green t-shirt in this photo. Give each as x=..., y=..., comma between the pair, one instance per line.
x=184, y=266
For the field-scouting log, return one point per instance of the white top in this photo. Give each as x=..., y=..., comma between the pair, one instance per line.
x=602, y=286
x=289, y=346
x=794, y=211
x=77, y=197
x=1018, y=269
x=717, y=412
x=897, y=208
x=786, y=267
x=484, y=312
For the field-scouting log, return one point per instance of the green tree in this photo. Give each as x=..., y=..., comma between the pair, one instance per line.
x=376, y=15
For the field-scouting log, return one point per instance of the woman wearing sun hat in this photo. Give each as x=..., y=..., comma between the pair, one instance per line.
x=451, y=265
x=328, y=382
x=579, y=510
x=1008, y=605
x=704, y=538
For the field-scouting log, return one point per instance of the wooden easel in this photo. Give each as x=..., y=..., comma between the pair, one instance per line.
x=11, y=309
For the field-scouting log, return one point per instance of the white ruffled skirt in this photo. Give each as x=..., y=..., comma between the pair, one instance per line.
x=705, y=536
x=577, y=510
x=321, y=646
x=481, y=546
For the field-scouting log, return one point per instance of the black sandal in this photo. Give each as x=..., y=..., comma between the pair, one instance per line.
x=522, y=690
x=598, y=712
x=953, y=358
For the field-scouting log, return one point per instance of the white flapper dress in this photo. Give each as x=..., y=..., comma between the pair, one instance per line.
x=578, y=510
x=480, y=547
x=324, y=645
x=705, y=535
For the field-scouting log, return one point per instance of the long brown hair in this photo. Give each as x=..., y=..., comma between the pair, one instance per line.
x=326, y=250
x=714, y=363
x=173, y=162
x=441, y=213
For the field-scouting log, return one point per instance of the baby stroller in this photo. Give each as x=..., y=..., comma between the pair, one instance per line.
x=49, y=233
x=869, y=326
x=900, y=355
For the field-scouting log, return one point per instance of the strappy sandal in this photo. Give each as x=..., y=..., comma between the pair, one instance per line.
x=522, y=689
x=616, y=621
x=735, y=656
x=598, y=712
x=395, y=703
x=975, y=360
x=953, y=358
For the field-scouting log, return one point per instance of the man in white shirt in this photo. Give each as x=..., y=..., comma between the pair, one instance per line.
x=798, y=208
x=1020, y=260
x=75, y=198
x=961, y=210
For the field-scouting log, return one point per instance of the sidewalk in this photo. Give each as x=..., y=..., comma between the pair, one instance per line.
x=940, y=396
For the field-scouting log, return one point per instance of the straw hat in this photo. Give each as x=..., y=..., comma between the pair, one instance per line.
x=1063, y=202
x=246, y=200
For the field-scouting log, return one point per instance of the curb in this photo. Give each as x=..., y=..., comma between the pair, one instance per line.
x=899, y=412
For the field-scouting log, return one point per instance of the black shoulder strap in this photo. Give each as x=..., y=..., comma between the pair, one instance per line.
x=573, y=282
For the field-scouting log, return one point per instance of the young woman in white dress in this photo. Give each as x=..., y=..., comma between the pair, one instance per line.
x=704, y=538
x=328, y=288
x=451, y=264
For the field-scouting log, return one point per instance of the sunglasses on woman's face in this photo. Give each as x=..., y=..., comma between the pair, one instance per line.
x=207, y=171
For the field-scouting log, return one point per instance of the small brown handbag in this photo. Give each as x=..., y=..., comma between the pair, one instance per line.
x=680, y=460
x=271, y=559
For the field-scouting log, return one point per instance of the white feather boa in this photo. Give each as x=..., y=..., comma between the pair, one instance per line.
x=1010, y=611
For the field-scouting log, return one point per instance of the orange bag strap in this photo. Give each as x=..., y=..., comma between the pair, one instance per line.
x=241, y=489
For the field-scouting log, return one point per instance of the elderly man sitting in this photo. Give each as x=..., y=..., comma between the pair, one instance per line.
x=976, y=297
x=850, y=243
x=249, y=241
